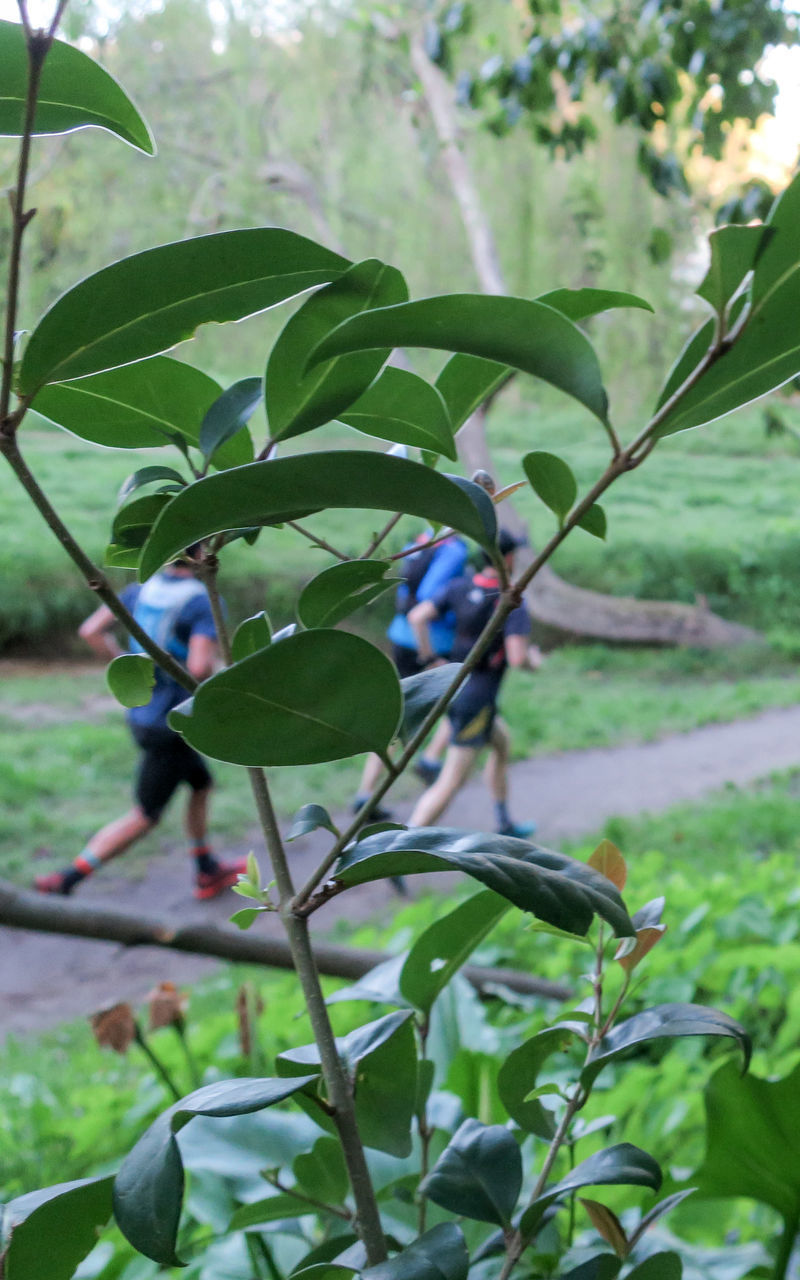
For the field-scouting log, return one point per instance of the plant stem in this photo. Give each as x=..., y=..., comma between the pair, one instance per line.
x=379, y=537
x=315, y=1204
x=338, y=1085
x=785, y=1247
x=318, y=542
x=156, y=1062
x=94, y=576
x=180, y=1031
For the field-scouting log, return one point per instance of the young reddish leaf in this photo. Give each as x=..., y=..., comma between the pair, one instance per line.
x=608, y=860
x=607, y=1224
x=646, y=939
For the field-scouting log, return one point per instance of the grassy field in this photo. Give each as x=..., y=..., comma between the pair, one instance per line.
x=68, y=764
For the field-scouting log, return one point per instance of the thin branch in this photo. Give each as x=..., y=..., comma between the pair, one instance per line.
x=275, y=1181
x=379, y=537
x=318, y=542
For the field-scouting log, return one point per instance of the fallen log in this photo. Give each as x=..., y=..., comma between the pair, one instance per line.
x=23, y=909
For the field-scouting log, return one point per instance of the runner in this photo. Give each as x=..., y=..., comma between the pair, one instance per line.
x=472, y=713
x=174, y=609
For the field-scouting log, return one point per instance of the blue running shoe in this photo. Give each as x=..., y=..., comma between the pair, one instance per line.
x=520, y=830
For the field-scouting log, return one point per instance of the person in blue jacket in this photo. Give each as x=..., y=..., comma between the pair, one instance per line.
x=174, y=609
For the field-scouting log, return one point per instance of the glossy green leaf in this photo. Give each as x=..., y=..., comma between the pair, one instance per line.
x=766, y=352
x=478, y=1175
x=445, y=945
x=137, y=407
x=518, y=1075
x=310, y=818
x=274, y=491
x=275, y=1208
x=298, y=399
x=131, y=678
x=579, y=304
x=734, y=251
x=380, y=986
x=403, y=407
x=75, y=93
x=142, y=305
x=551, y=480
x=148, y=1190
x=338, y=591
x=621, y=1165
x=421, y=692
x=172, y=479
x=665, y=1021
x=250, y=636
x=322, y=1173
x=229, y=413
x=751, y=1140
x=594, y=521
x=466, y=381
x=381, y=1058
x=439, y=1254
x=553, y=887
x=70, y=1213
x=512, y=331
x=134, y=521
x=659, y=1266
x=318, y=695
x=603, y=1266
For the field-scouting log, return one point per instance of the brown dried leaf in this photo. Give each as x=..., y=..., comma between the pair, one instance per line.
x=608, y=860
x=646, y=939
x=248, y=1006
x=167, y=1006
x=607, y=1224
x=114, y=1028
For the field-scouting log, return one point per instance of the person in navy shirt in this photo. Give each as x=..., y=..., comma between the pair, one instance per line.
x=472, y=714
x=173, y=608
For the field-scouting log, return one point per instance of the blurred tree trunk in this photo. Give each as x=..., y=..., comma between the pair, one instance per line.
x=552, y=601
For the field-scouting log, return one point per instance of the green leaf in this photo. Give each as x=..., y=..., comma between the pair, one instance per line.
x=246, y=917
x=133, y=522
x=621, y=1165
x=594, y=521
x=659, y=1266
x=465, y=382
x=310, y=818
x=734, y=251
x=660, y=1022
x=381, y=1059
x=603, y=1266
x=421, y=692
x=322, y=1173
x=403, y=407
x=439, y=1254
x=579, y=304
x=150, y=475
x=380, y=986
x=552, y=480
x=229, y=413
x=751, y=1140
x=553, y=887
x=445, y=945
x=525, y=335
x=275, y=1208
x=271, y=492
x=148, y=1190
x=250, y=636
x=340, y=590
x=298, y=400
x=518, y=1075
x=318, y=695
x=478, y=1175
x=131, y=678
x=137, y=407
x=69, y=1213
x=74, y=93
x=142, y=305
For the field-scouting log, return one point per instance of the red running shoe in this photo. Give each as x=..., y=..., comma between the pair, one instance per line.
x=210, y=884
x=55, y=882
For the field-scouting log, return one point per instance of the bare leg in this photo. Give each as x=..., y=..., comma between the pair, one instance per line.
x=373, y=768
x=196, y=821
x=455, y=770
x=118, y=835
x=439, y=742
x=496, y=772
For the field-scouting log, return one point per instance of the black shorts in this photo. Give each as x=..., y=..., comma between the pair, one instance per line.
x=167, y=761
x=406, y=661
x=472, y=711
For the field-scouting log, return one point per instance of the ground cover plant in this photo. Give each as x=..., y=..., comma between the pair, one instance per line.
x=94, y=364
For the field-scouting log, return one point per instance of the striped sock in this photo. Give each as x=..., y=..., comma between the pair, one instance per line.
x=83, y=866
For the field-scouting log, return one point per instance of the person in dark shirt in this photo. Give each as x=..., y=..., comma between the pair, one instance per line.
x=472, y=714
x=173, y=609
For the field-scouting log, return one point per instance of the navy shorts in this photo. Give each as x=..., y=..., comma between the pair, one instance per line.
x=406, y=661
x=472, y=712
x=167, y=761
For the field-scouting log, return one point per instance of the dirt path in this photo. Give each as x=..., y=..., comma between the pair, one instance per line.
x=44, y=980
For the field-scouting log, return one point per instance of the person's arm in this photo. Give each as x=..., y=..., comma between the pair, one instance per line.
x=201, y=660
x=98, y=633
x=419, y=618
x=520, y=654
